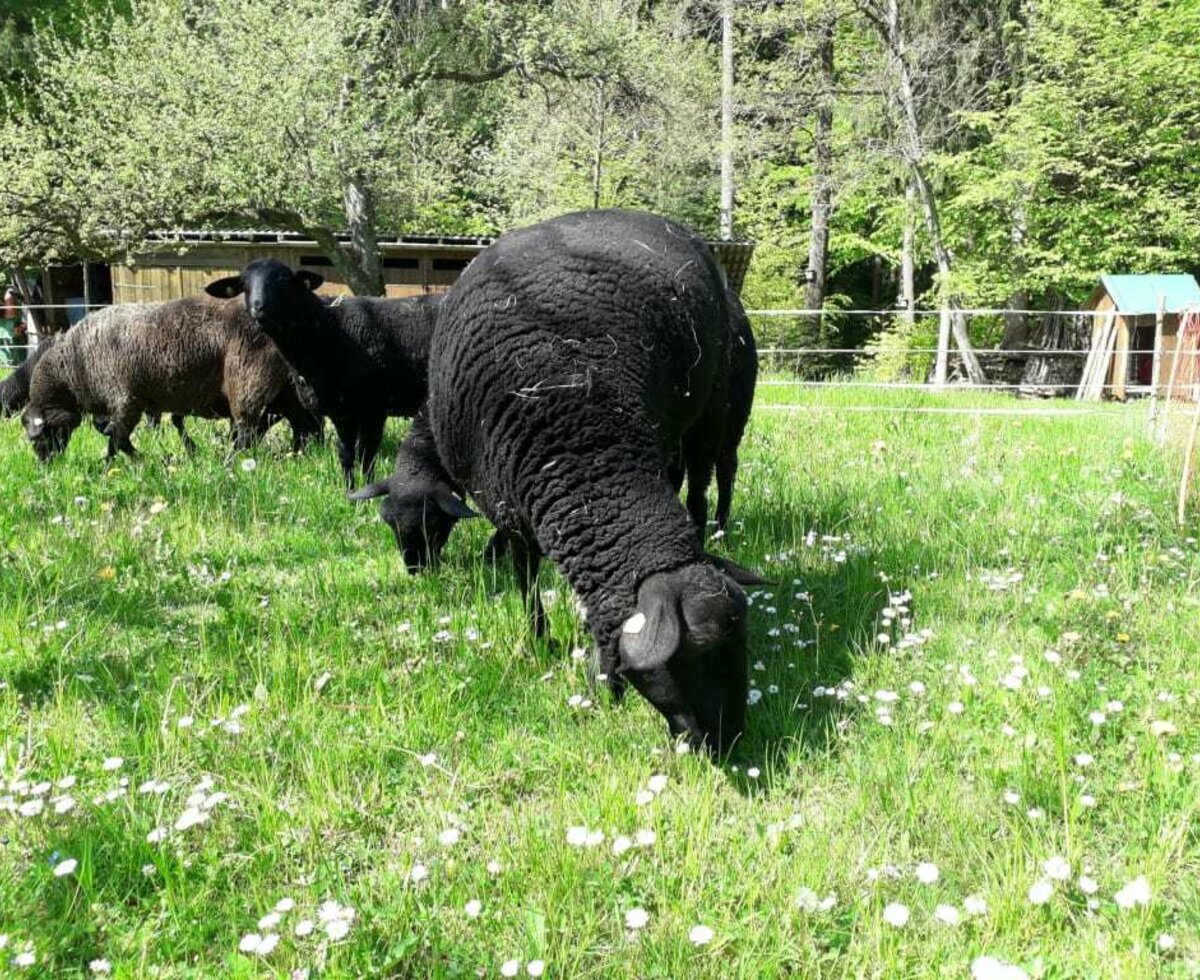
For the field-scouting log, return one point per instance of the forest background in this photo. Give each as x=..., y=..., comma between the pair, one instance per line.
x=886, y=153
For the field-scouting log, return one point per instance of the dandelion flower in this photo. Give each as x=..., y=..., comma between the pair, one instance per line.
x=643, y=797
x=947, y=915
x=990, y=968
x=896, y=915
x=1137, y=892
x=753, y=772
x=269, y=921
x=645, y=838
x=975, y=905
x=927, y=873
x=1165, y=941
x=190, y=818
x=267, y=944
x=27, y=958
x=473, y=908
x=657, y=783
x=1088, y=885
x=64, y=868
x=621, y=845
x=250, y=943
x=337, y=929
x=1040, y=892
x=700, y=935
x=249, y=465
x=1056, y=868
x=100, y=967
x=449, y=837
x=535, y=968
x=1084, y=759
x=509, y=968
x=493, y=867
x=304, y=927
x=807, y=900
x=956, y=707
x=112, y=763
x=418, y=872
x=636, y=919
x=284, y=905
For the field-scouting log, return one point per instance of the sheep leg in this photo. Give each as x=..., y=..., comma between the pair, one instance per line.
x=496, y=547
x=370, y=435
x=347, y=435
x=120, y=424
x=188, y=443
x=726, y=473
x=700, y=461
x=526, y=560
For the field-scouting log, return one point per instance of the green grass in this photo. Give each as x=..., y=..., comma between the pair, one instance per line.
x=264, y=588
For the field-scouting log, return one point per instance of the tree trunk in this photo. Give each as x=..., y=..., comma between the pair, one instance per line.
x=364, y=240
x=908, y=279
x=726, y=218
x=1016, y=325
x=914, y=154
x=821, y=195
x=598, y=148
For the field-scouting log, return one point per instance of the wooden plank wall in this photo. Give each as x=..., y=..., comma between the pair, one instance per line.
x=161, y=277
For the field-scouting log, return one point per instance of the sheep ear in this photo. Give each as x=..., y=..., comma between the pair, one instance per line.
x=739, y=573
x=650, y=637
x=369, y=493
x=225, y=288
x=451, y=505
x=309, y=280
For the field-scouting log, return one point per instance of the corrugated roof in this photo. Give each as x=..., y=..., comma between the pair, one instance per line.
x=1140, y=294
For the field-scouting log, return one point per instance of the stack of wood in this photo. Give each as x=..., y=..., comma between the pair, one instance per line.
x=1053, y=373
x=1099, y=362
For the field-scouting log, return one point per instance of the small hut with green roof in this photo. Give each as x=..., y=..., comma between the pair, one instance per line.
x=1127, y=313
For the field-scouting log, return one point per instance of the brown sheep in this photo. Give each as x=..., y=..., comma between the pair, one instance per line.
x=193, y=356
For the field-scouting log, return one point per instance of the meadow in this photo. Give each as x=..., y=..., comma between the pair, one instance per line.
x=237, y=740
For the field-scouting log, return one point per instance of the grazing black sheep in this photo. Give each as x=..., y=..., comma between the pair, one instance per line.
x=365, y=357
x=191, y=356
x=421, y=505
x=572, y=361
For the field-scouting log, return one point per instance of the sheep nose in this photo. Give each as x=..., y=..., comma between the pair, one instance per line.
x=256, y=309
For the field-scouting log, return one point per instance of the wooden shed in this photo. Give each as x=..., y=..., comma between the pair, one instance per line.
x=1127, y=309
x=176, y=265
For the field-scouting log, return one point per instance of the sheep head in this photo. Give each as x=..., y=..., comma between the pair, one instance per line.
x=274, y=293
x=684, y=650
x=48, y=430
x=421, y=516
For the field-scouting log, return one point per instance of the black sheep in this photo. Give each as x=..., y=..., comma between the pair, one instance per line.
x=365, y=358
x=572, y=360
x=422, y=505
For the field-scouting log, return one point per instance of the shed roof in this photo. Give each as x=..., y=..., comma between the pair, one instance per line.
x=1140, y=294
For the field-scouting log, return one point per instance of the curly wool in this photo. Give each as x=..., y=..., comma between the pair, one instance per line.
x=571, y=361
